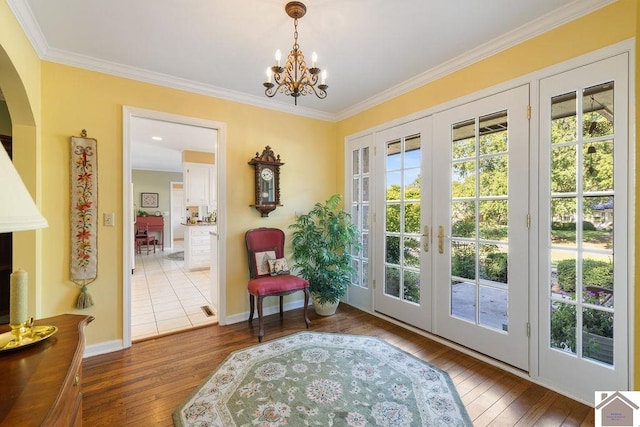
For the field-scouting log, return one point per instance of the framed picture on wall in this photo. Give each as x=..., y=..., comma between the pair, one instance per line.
x=149, y=200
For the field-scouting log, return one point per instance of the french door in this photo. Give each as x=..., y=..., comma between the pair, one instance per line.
x=583, y=228
x=403, y=267
x=481, y=225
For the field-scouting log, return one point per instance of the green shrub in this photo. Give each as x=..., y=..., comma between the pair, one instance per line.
x=571, y=226
x=595, y=273
x=495, y=267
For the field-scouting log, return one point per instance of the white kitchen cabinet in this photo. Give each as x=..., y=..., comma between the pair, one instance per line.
x=199, y=182
x=197, y=246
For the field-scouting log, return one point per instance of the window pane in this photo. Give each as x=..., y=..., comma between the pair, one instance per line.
x=598, y=166
x=412, y=252
x=563, y=274
x=365, y=160
x=597, y=109
x=463, y=141
x=411, y=291
x=393, y=250
x=494, y=308
x=365, y=189
x=598, y=223
x=393, y=218
x=412, y=184
x=365, y=245
x=493, y=176
x=355, y=158
x=597, y=281
x=393, y=186
x=494, y=263
x=412, y=218
x=463, y=179
x=463, y=219
x=597, y=336
x=563, y=326
x=356, y=189
x=463, y=260
x=493, y=133
x=365, y=217
x=392, y=281
x=463, y=300
x=494, y=216
x=412, y=152
x=563, y=169
x=393, y=155
x=563, y=118
x=563, y=221
x=365, y=274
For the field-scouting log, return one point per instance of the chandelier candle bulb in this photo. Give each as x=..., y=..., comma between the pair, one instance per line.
x=278, y=57
x=269, y=74
x=314, y=59
x=18, y=298
x=324, y=76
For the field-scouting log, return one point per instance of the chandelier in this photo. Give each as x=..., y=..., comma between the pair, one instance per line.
x=295, y=78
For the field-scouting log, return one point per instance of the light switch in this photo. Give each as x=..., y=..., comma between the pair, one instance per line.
x=108, y=219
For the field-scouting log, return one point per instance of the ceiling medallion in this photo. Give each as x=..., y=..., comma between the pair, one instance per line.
x=295, y=78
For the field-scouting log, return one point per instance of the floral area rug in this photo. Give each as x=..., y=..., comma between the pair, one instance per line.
x=323, y=379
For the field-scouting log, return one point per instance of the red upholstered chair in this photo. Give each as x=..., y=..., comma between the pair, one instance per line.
x=143, y=237
x=263, y=244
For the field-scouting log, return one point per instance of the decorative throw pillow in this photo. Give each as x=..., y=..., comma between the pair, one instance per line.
x=278, y=266
x=261, y=260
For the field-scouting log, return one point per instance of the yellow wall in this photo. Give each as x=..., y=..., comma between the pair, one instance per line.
x=70, y=99
x=75, y=99
x=612, y=24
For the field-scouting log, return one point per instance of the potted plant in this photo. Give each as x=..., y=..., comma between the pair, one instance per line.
x=321, y=244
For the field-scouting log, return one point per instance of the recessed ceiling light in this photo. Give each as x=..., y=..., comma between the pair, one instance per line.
x=156, y=138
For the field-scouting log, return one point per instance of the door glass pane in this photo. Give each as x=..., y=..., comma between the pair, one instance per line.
x=597, y=335
x=480, y=212
x=403, y=218
x=563, y=169
x=463, y=179
x=563, y=326
x=360, y=213
x=598, y=166
x=411, y=291
x=494, y=308
x=463, y=300
x=563, y=221
x=581, y=233
x=563, y=118
x=494, y=224
x=493, y=176
x=597, y=110
x=392, y=281
x=463, y=219
x=563, y=274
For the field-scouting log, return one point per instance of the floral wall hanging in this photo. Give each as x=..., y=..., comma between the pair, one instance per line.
x=84, y=215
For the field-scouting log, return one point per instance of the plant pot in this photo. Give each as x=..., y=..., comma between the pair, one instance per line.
x=326, y=309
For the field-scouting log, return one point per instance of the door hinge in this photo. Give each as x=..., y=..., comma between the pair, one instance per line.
x=528, y=112
x=374, y=283
x=528, y=220
x=374, y=217
x=528, y=329
x=375, y=150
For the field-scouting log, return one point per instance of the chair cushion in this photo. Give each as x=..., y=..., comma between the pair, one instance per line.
x=270, y=285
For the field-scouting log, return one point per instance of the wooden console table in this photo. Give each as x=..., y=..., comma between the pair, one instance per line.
x=41, y=382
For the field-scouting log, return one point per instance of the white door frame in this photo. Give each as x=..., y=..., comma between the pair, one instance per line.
x=128, y=113
x=172, y=185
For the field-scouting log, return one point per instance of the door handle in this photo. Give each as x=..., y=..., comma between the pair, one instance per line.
x=425, y=238
x=440, y=239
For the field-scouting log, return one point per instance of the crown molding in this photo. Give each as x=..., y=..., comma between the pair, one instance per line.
x=554, y=19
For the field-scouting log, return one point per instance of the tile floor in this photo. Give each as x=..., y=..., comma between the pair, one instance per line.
x=164, y=297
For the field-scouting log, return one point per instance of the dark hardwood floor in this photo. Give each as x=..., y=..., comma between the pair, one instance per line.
x=143, y=385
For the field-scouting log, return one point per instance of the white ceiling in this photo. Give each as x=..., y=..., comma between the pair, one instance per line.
x=372, y=49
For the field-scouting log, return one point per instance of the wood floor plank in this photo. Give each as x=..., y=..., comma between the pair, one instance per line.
x=143, y=385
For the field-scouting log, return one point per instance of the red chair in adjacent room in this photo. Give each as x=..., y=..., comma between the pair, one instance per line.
x=265, y=249
x=143, y=237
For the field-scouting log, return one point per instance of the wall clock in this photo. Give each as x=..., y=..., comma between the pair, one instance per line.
x=266, y=181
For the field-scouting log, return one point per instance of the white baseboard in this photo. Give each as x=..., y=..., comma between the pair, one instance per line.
x=243, y=317
x=103, y=348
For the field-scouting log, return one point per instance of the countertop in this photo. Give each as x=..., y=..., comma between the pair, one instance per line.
x=200, y=224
